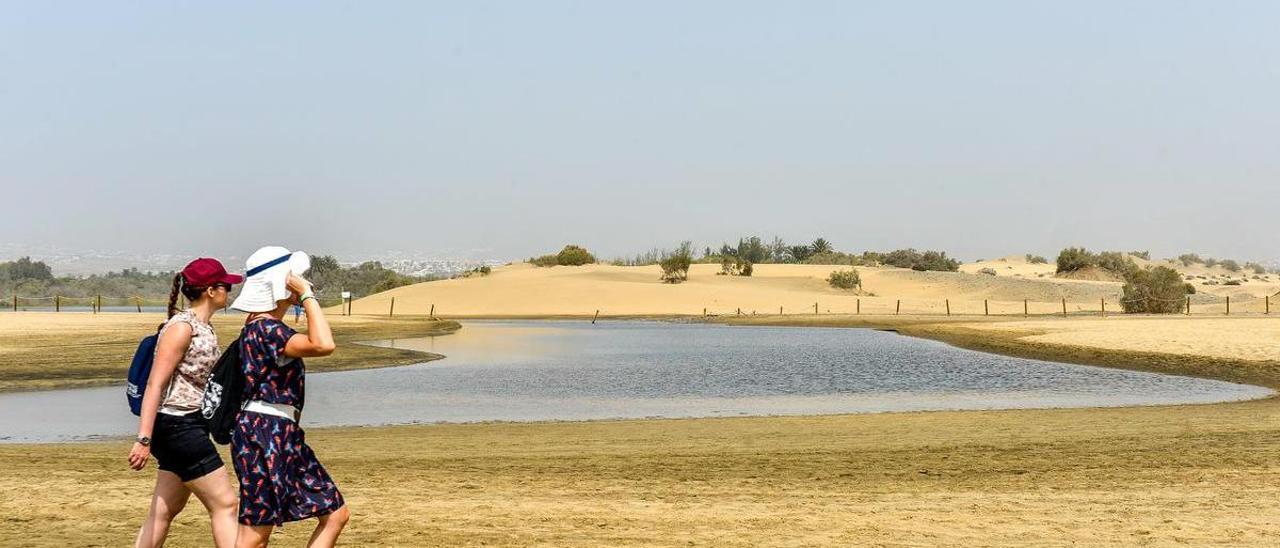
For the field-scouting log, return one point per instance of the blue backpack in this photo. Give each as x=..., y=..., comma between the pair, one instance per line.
x=139, y=371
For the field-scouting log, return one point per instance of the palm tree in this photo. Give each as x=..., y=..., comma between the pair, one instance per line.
x=819, y=246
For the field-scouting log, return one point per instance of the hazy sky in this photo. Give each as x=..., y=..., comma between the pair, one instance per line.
x=505, y=129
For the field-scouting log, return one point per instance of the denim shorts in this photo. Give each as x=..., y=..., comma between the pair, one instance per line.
x=181, y=445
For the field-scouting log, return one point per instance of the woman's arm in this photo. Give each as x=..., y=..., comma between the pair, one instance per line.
x=170, y=348
x=318, y=341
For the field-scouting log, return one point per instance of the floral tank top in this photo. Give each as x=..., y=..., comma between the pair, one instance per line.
x=186, y=387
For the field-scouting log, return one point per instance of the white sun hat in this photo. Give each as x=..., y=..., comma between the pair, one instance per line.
x=264, y=278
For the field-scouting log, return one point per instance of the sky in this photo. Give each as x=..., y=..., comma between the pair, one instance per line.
x=508, y=129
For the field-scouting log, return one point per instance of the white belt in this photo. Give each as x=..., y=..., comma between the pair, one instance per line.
x=281, y=410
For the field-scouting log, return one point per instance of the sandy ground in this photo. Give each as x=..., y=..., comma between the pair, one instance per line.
x=1159, y=476
x=60, y=349
x=525, y=290
x=1178, y=476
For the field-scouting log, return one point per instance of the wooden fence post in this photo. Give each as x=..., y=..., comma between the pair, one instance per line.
x=392, y=312
x=99, y=303
x=779, y=310
x=1104, y=307
x=57, y=304
x=1025, y=310
x=1268, y=304
x=138, y=301
x=1064, y=307
x=433, y=310
x=859, y=309
x=1228, y=305
x=1188, y=305
x=704, y=311
x=898, y=309
x=15, y=303
x=986, y=309
x=815, y=308
x=948, y=301
x=596, y=317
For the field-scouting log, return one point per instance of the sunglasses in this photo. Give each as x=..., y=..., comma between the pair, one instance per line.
x=223, y=286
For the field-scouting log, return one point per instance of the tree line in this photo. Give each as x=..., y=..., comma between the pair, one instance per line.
x=25, y=277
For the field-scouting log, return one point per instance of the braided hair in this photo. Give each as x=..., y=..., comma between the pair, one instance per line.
x=180, y=285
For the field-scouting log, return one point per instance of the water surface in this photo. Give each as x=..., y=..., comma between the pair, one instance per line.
x=523, y=371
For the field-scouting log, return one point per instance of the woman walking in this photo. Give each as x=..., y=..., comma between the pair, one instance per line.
x=170, y=425
x=280, y=478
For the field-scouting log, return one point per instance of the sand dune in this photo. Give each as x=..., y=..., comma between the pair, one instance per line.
x=522, y=289
x=525, y=290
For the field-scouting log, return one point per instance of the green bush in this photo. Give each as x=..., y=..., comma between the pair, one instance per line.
x=1188, y=259
x=915, y=260
x=573, y=255
x=1036, y=259
x=1072, y=259
x=834, y=258
x=1256, y=268
x=478, y=271
x=1154, y=290
x=1231, y=265
x=735, y=266
x=1115, y=261
x=845, y=279
x=936, y=260
x=545, y=260
x=1144, y=255
x=675, y=267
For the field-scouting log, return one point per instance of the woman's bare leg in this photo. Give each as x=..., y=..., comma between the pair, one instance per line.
x=253, y=536
x=167, y=501
x=218, y=496
x=330, y=526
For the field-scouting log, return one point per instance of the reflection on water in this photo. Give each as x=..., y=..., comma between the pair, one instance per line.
x=576, y=370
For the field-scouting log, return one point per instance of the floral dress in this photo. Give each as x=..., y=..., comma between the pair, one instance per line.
x=280, y=478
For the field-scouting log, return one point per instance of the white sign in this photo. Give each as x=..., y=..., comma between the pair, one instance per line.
x=346, y=295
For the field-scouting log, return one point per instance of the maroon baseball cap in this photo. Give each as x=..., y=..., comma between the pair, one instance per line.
x=205, y=272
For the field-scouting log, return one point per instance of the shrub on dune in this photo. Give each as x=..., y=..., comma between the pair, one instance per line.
x=1116, y=262
x=1154, y=290
x=573, y=255
x=545, y=260
x=1072, y=259
x=675, y=266
x=845, y=279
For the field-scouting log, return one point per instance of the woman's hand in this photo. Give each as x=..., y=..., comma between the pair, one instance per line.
x=297, y=286
x=138, y=456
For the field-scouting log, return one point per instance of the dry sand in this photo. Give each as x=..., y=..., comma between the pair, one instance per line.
x=1179, y=476
x=525, y=290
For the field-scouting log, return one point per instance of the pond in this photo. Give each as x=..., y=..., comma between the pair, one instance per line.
x=574, y=370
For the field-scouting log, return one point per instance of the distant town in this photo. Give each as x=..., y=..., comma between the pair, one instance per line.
x=70, y=262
